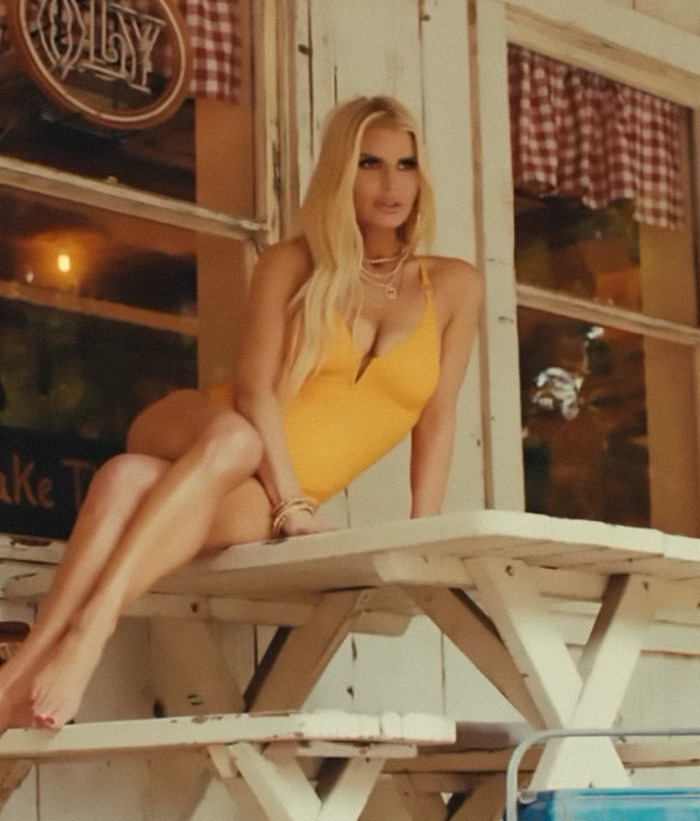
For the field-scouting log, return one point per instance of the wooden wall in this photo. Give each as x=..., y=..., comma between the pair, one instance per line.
x=417, y=50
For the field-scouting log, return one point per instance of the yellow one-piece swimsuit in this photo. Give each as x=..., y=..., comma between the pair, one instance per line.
x=339, y=423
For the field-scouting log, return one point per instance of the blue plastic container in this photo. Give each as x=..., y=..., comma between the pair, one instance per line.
x=611, y=805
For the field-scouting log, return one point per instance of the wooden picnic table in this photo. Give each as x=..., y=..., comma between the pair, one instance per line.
x=490, y=580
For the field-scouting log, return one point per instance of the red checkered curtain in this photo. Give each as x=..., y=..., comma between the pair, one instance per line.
x=576, y=133
x=215, y=39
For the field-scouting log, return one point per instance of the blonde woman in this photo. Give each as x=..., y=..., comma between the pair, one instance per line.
x=352, y=341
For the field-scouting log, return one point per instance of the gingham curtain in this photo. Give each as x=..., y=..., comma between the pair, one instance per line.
x=214, y=31
x=215, y=39
x=574, y=132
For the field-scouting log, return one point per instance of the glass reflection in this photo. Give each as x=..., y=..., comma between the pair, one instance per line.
x=584, y=420
x=95, y=253
x=564, y=246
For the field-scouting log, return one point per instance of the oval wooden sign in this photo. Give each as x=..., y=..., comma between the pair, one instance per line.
x=123, y=64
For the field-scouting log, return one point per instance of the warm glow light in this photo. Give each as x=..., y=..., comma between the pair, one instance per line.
x=63, y=261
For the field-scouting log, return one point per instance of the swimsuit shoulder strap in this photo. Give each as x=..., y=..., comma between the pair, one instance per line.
x=423, y=273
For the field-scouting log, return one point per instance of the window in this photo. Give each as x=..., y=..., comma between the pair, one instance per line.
x=612, y=300
x=125, y=255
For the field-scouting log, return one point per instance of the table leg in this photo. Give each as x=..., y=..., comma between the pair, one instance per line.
x=283, y=791
x=292, y=667
x=567, y=695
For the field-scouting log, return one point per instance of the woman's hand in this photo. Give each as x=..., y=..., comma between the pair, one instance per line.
x=303, y=522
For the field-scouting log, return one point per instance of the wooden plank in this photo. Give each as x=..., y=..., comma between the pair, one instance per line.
x=598, y=313
x=12, y=774
x=198, y=732
x=495, y=243
x=124, y=200
x=306, y=650
x=476, y=636
x=345, y=795
x=486, y=802
x=521, y=617
x=188, y=671
x=621, y=43
x=349, y=556
x=447, y=123
x=245, y=801
x=280, y=787
x=606, y=666
x=418, y=805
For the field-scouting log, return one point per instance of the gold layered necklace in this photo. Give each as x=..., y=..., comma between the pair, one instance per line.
x=389, y=282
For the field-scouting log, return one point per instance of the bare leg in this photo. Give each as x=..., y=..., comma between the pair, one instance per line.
x=113, y=496
x=170, y=526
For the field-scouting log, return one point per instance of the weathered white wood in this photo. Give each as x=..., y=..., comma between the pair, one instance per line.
x=304, y=95
x=280, y=787
x=377, y=49
x=12, y=774
x=306, y=652
x=419, y=805
x=537, y=649
x=421, y=551
x=125, y=200
x=475, y=635
x=606, y=667
x=684, y=14
x=346, y=797
x=622, y=43
x=188, y=672
x=243, y=798
x=82, y=740
x=598, y=313
x=447, y=123
x=485, y=803
x=500, y=379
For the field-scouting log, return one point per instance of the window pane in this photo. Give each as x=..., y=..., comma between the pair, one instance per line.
x=584, y=420
x=592, y=254
x=69, y=386
x=68, y=373
x=53, y=244
x=78, y=359
x=160, y=159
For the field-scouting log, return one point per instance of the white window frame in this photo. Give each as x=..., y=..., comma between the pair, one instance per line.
x=600, y=36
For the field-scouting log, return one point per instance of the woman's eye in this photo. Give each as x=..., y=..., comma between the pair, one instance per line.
x=368, y=162
x=409, y=163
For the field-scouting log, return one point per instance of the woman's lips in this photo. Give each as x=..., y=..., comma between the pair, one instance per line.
x=388, y=205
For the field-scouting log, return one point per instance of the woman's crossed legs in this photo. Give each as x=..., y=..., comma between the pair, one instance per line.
x=189, y=465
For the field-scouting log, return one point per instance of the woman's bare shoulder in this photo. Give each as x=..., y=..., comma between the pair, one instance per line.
x=291, y=256
x=453, y=276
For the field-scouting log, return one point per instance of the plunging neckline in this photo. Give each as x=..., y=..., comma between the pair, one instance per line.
x=366, y=358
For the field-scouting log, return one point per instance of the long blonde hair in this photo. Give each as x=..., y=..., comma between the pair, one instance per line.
x=331, y=232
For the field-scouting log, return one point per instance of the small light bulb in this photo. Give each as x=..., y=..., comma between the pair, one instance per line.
x=63, y=263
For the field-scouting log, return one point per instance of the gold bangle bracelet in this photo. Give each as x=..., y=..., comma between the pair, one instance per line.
x=284, y=510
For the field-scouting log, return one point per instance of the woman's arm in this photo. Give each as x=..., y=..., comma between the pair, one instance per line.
x=458, y=294
x=280, y=272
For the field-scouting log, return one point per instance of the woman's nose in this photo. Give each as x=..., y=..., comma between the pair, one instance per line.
x=388, y=179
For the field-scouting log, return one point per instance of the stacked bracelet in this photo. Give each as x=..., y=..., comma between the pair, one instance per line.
x=284, y=510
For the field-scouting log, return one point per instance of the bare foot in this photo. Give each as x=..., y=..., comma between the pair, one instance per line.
x=59, y=686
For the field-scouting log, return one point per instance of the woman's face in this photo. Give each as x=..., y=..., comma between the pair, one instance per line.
x=387, y=179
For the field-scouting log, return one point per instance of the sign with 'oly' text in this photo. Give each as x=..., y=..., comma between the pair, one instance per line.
x=123, y=64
